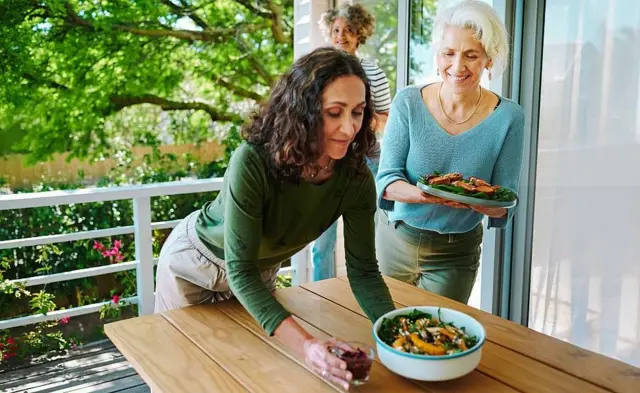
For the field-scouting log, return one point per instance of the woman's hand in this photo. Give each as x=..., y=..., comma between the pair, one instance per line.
x=441, y=201
x=402, y=191
x=319, y=359
x=493, y=212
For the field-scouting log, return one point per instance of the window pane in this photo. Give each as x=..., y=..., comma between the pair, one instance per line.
x=585, y=278
x=382, y=47
x=422, y=64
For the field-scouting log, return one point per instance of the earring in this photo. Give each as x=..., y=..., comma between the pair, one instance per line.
x=489, y=74
x=437, y=71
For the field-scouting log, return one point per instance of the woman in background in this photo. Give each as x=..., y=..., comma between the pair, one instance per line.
x=450, y=126
x=348, y=27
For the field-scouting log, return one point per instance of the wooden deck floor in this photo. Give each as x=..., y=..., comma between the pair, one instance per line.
x=95, y=368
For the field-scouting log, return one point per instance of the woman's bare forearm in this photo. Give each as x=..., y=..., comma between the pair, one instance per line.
x=401, y=191
x=293, y=335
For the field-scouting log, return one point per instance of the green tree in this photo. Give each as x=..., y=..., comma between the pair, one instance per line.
x=84, y=76
x=383, y=45
x=423, y=13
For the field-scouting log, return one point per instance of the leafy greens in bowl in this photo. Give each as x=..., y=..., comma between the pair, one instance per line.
x=422, y=333
x=429, y=343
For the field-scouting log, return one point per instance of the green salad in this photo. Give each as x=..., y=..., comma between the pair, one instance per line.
x=421, y=333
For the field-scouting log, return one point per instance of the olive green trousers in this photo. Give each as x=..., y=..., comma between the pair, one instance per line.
x=445, y=264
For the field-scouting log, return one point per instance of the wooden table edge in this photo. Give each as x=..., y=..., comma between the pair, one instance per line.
x=154, y=388
x=598, y=356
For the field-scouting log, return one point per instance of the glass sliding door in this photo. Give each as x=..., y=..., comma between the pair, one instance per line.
x=422, y=64
x=382, y=47
x=585, y=263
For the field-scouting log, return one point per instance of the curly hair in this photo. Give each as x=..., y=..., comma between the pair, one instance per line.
x=289, y=126
x=357, y=17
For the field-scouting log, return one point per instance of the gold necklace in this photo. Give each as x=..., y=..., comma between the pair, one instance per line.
x=322, y=169
x=447, y=116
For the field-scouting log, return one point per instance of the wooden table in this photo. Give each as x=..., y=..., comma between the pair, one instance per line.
x=220, y=348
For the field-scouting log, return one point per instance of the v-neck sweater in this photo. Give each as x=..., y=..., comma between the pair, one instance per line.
x=415, y=144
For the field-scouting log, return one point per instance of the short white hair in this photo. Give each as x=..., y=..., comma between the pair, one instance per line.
x=486, y=25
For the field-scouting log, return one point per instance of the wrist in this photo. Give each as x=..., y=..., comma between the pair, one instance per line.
x=306, y=343
x=293, y=335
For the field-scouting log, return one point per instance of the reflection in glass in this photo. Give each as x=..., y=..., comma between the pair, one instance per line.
x=422, y=64
x=422, y=70
x=585, y=279
x=382, y=47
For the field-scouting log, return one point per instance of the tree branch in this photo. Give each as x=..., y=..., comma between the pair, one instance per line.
x=277, y=24
x=254, y=8
x=181, y=11
x=237, y=90
x=120, y=102
x=254, y=62
x=274, y=14
x=189, y=35
x=42, y=81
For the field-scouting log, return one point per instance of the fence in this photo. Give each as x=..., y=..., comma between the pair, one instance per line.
x=142, y=229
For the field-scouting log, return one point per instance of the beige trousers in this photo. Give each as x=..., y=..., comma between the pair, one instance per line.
x=189, y=273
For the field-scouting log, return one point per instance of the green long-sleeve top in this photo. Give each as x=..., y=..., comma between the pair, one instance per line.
x=256, y=223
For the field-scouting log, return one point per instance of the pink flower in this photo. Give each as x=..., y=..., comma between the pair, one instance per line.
x=64, y=320
x=119, y=257
x=98, y=246
x=115, y=299
x=9, y=355
x=117, y=244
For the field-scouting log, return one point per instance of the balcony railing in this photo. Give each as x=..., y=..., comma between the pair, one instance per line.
x=142, y=229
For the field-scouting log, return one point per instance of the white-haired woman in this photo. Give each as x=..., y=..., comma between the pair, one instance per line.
x=450, y=126
x=348, y=27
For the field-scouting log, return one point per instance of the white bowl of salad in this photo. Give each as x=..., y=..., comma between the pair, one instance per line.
x=429, y=343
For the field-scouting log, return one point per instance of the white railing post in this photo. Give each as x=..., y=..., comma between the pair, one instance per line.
x=301, y=263
x=306, y=32
x=144, y=254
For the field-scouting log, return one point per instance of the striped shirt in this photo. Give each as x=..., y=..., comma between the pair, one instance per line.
x=380, y=91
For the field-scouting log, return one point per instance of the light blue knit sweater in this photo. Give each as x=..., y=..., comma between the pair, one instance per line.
x=414, y=144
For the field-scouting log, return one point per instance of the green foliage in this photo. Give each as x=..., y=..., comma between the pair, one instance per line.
x=42, y=338
x=76, y=74
x=423, y=13
x=95, y=79
x=283, y=281
x=383, y=45
x=16, y=300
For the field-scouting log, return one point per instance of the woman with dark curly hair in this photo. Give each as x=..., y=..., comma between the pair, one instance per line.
x=302, y=166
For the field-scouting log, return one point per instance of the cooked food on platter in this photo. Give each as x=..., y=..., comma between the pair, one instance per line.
x=473, y=190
